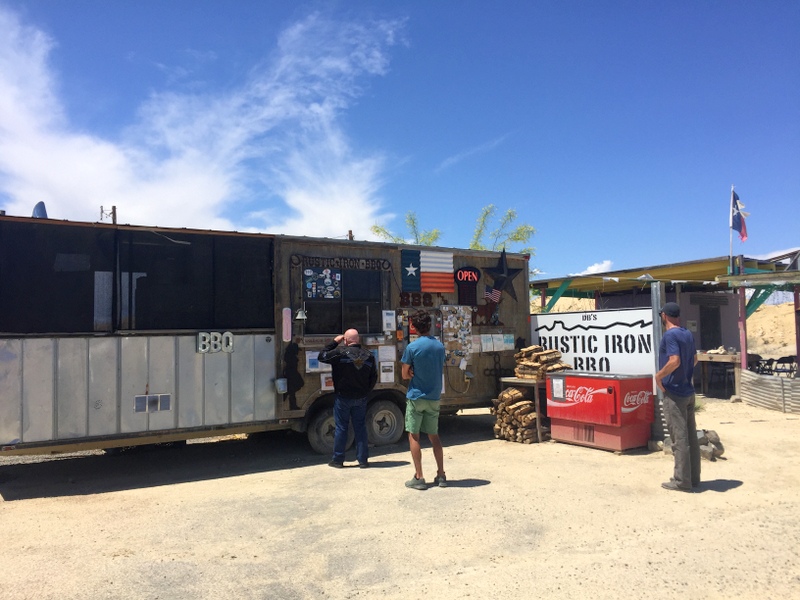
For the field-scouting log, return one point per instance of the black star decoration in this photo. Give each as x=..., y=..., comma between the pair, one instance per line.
x=503, y=276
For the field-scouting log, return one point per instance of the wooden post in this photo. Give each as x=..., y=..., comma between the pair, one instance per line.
x=538, y=412
x=742, y=317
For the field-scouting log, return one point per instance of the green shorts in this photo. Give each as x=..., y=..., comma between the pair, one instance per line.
x=422, y=415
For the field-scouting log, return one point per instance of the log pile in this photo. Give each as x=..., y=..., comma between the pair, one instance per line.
x=516, y=417
x=534, y=362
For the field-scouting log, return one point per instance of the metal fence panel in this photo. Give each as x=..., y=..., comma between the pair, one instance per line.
x=38, y=390
x=72, y=389
x=10, y=391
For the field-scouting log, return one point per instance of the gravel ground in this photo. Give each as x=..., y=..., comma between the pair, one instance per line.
x=266, y=518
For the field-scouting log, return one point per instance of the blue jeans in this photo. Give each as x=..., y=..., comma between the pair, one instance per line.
x=345, y=409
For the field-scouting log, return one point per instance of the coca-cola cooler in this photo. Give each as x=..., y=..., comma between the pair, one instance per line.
x=613, y=412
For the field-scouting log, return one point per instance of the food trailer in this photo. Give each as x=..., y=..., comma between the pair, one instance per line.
x=119, y=335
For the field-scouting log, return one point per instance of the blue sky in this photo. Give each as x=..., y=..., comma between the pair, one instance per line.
x=616, y=129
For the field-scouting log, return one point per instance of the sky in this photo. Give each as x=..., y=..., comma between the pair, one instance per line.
x=615, y=128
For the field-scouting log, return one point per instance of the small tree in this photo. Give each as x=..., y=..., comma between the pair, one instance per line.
x=505, y=234
x=418, y=237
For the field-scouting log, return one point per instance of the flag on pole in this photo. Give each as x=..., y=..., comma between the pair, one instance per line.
x=737, y=216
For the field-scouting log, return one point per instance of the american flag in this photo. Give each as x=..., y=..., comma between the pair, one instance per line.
x=492, y=294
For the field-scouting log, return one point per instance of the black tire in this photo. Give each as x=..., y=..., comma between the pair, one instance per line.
x=321, y=431
x=385, y=423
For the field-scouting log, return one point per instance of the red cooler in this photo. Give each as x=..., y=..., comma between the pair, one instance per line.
x=613, y=412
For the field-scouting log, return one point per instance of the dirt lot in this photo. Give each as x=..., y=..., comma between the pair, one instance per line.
x=265, y=518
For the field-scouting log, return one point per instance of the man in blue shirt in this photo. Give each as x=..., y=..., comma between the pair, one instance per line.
x=676, y=360
x=423, y=362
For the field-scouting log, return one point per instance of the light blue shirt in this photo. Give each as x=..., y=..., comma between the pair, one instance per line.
x=425, y=356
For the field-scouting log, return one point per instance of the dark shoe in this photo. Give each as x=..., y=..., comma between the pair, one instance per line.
x=440, y=480
x=671, y=485
x=336, y=465
x=364, y=465
x=416, y=484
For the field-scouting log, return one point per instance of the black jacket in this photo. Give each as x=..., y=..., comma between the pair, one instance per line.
x=354, y=369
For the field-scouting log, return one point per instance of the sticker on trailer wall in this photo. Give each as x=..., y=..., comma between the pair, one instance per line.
x=322, y=284
x=457, y=329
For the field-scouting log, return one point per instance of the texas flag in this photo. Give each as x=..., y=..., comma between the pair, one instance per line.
x=737, y=216
x=427, y=271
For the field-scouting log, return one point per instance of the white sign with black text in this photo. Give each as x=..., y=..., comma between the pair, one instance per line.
x=604, y=341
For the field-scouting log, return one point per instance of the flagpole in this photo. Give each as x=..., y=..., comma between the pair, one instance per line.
x=730, y=235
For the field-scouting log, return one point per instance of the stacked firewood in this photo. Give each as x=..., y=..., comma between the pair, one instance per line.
x=516, y=417
x=534, y=362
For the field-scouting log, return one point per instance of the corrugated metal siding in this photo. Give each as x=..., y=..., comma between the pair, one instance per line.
x=771, y=391
x=793, y=397
x=75, y=388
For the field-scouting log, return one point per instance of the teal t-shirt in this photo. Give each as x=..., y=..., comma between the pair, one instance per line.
x=425, y=355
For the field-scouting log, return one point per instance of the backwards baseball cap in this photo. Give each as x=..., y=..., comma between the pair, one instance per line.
x=671, y=309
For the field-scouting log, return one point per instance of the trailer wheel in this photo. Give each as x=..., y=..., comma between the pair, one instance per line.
x=321, y=431
x=384, y=423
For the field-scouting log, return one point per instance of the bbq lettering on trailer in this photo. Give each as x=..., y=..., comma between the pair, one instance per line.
x=415, y=299
x=208, y=343
x=342, y=262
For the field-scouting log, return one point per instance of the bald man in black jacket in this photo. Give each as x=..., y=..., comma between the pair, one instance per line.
x=354, y=375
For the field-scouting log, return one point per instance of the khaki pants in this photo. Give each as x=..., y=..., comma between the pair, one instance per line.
x=679, y=411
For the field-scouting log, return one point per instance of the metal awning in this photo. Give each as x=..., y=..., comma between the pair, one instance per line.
x=699, y=275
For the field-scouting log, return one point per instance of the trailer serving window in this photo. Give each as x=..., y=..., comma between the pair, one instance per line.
x=353, y=301
x=172, y=281
x=55, y=278
x=58, y=278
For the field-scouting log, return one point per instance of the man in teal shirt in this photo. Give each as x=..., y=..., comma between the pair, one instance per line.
x=423, y=363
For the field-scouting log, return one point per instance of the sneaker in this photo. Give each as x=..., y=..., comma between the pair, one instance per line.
x=671, y=485
x=416, y=484
x=364, y=465
x=440, y=480
x=336, y=465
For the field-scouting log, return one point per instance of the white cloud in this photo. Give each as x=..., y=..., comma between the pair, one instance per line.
x=270, y=155
x=481, y=149
x=771, y=255
x=600, y=267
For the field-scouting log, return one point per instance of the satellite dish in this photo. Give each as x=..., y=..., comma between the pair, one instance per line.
x=39, y=211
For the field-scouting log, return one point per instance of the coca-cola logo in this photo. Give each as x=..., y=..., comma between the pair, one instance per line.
x=582, y=394
x=634, y=400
